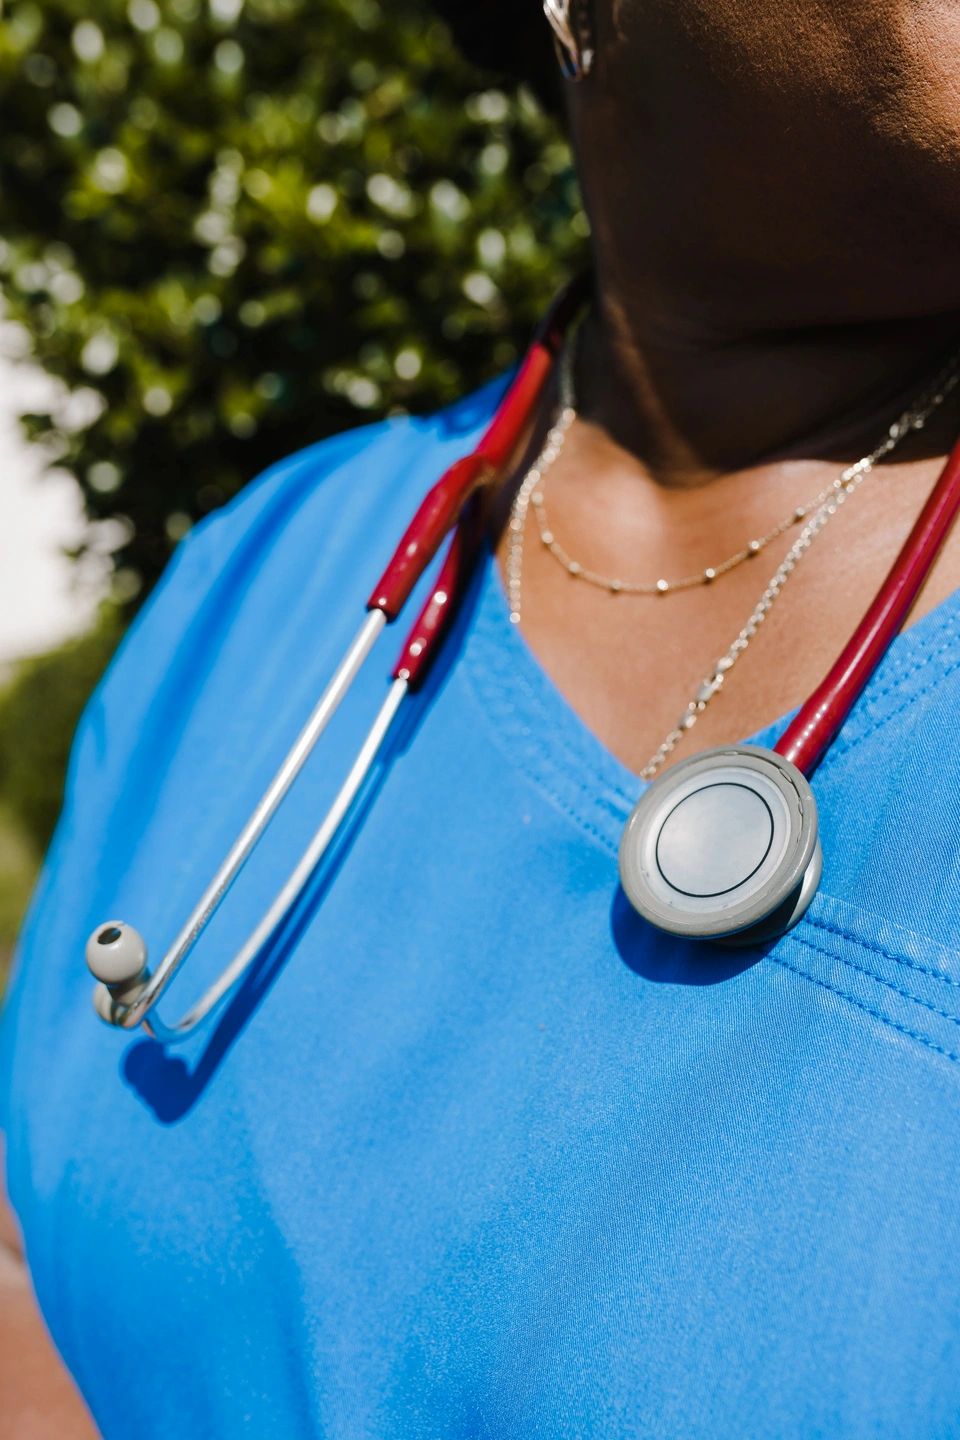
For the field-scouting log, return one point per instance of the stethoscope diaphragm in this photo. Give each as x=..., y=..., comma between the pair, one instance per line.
x=724, y=846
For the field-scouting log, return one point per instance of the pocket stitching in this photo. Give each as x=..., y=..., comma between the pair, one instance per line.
x=868, y=1009
x=872, y=975
x=893, y=955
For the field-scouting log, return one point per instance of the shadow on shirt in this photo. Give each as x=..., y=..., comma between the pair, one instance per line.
x=669, y=960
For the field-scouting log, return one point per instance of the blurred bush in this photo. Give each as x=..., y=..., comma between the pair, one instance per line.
x=233, y=226
x=39, y=710
x=18, y=863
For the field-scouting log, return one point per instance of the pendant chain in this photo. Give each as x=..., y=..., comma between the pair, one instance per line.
x=820, y=511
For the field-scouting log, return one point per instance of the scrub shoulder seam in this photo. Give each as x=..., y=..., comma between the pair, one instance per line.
x=901, y=670
x=840, y=748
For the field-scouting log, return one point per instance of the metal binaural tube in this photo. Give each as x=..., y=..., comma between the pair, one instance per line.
x=419, y=648
x=116, y=954
x=299, y=877
x=130, y=1014
x=418, y=651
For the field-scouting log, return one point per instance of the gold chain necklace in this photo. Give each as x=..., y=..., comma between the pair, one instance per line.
x=823, y=507
x=661, y=586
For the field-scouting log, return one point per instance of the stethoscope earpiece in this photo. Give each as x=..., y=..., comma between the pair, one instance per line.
x=117, y=957
x=724, y=846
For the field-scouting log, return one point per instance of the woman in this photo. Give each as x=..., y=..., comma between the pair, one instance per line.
x=477, y=1150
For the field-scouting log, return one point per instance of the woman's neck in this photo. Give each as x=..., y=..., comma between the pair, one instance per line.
x=692, y=404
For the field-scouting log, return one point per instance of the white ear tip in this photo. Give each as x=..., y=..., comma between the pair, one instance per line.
x=116, y=953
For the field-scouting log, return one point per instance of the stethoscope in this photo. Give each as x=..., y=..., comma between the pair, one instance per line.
x=724, y=846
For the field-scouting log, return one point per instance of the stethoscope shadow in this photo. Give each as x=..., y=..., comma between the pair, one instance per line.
x=161, y=1076
x=669, y=960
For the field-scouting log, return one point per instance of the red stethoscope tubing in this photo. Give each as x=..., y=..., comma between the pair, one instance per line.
x=451, y=497
x=818, y=722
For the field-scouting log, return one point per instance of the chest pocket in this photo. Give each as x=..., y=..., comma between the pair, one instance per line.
x=883, y=934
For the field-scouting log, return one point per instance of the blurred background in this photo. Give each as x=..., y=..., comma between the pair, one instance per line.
x=229, y=228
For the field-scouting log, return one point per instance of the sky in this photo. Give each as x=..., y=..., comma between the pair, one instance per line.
x=42, y=598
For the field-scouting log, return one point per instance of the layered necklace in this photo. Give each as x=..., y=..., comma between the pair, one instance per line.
x=816, y=512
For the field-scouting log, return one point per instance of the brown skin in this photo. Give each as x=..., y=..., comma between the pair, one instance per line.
x=38, y=1400
x=774, y=190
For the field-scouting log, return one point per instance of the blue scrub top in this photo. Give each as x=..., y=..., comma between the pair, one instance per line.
x=474, y=1152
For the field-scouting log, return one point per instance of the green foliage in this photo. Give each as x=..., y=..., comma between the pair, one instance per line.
x=39, y=710
x=18, y=863
x=234, y=226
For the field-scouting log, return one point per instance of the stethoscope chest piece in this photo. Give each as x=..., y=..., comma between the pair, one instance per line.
x=724, y=846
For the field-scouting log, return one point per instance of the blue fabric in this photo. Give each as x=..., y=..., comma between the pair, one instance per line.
x=474, y=1152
